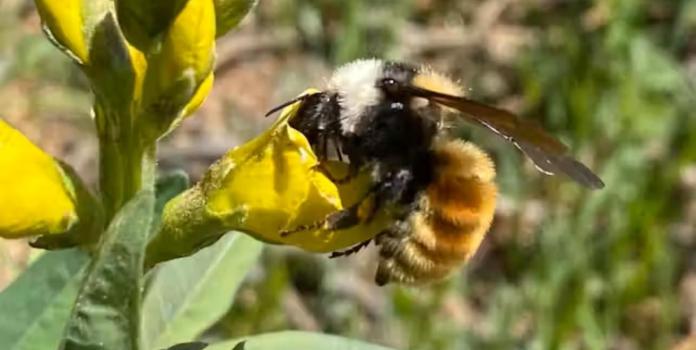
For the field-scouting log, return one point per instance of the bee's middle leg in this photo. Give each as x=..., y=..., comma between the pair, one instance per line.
x=361, y=212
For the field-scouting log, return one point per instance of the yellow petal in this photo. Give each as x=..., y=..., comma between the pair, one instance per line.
x=139, y=63
x=199, y=97
x=190, y=41
x=266, y=185
x=34, y=198
x=63, y=22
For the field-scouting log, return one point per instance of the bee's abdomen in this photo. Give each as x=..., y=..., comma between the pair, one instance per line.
x=453, y=215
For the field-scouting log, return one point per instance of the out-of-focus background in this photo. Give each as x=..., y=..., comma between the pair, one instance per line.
x=562, y=267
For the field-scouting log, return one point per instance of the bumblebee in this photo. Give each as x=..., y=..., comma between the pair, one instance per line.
x=391, y=119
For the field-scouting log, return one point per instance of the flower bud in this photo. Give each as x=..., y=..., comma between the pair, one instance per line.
x=181, y=67
x=37, y=195
x=267, y=185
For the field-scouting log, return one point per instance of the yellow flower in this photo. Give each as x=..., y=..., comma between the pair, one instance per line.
x=267, y=185
x=34, y=198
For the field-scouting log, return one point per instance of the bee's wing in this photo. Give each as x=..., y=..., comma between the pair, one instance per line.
x=548, y=154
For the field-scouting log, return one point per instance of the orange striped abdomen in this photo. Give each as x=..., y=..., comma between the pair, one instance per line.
x=452, y=218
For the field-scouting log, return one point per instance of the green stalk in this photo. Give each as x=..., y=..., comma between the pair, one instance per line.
x=127, y=163
x=125, y=169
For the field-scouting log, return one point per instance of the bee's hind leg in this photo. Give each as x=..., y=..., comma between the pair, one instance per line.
x=358, y=247
x=350, y=251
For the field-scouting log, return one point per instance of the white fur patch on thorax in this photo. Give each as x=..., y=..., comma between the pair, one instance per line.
x=355, y=84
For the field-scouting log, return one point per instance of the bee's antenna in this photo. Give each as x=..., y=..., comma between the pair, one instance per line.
x=288, y=103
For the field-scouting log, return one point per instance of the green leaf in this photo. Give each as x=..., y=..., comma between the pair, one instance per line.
x=106, y=314
x=189, y=294
x=39, y=301
x=297, y=340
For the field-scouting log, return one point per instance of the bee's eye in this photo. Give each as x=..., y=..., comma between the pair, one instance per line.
x=390, y=86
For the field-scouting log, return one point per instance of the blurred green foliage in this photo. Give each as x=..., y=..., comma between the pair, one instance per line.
x=341, y=31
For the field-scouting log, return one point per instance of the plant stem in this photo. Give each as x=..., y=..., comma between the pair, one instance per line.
x=127, y=164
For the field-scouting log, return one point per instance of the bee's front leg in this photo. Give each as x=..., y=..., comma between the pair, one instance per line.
x=353, y=171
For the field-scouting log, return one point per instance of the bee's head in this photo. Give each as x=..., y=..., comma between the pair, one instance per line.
x=364, y=84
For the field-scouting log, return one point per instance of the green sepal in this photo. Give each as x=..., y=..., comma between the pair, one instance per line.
x=144, y=22
x=228, y=14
